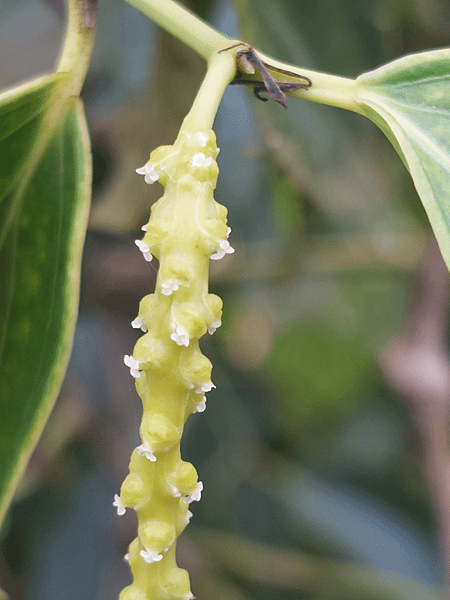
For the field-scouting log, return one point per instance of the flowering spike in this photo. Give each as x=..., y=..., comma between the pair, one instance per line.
x=187, y=228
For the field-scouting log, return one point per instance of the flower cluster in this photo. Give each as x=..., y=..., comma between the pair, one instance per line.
x=187, y=228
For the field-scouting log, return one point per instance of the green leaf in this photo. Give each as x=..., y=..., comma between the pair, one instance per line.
x=21, y=113
x=409, y=99
x=46, y=204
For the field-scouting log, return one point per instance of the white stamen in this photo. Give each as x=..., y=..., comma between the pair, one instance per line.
x=201, y=139
x=200, y=160
x=187, y=517
x=196, y=494
x=142, y=450
x=144, y=227
x=138, y=323
x=205, y=387
x=133, y=364
x=126, y=558
x=214, y=326
x=121, y=510
x=174, y=491
x=224, y=248
x=150, y=174
x=201, y=406
x=228, y=231
x=145, y=249
x=167, y=287
x=180, y=337
x=150, y=557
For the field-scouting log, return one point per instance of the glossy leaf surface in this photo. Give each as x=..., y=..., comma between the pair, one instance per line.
x=45, y=205
x=409, y=99
x=21, y=112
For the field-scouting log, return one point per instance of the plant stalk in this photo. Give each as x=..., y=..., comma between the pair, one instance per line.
x=76, y=50
x=205, y=40
x=183, y=24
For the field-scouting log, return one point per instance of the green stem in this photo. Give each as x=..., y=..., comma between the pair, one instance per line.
x=184, y=25
x=205, y=40
x=325, y=89
x=78, y=43
x=221, y=71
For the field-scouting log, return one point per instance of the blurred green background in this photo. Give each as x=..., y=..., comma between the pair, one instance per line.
x=314, y=485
